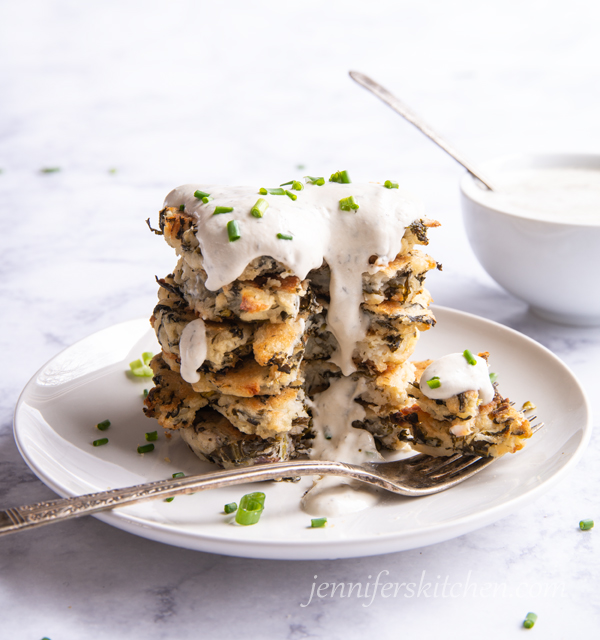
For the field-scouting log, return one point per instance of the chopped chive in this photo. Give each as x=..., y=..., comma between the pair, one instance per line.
x=230, y=508
x=170, y=499
x=258, y=210
x=341, y=177
x=528, y=406
x=136, y=364
x=297, y=185
x=286, y=184
x=348, y=204
x=103, y=426
x=49, y=169
x=233, y=230
x=585, y=525
x=145, y=448
x=529, y=621
x=316, y=523
x=318, y=181
x=284, y=236
x=145, y=393
x=334, y=177
x=300, y=167
x=434, y=383
x=327, y=433
x=151, y=436
x=142, y=372
x=112, y=171
x=100, y=442
x=469, y=357
x=147, y=356
x=388, y=184
x=179, y=474
x=207, y=199
x=181, y=207
x=291, y=195
x=263, y=191
x=219, y=210
x=493, y=377
x=200, y=194
x=251, y=508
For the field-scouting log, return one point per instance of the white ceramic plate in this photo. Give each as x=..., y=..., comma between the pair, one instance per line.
x=57, y=412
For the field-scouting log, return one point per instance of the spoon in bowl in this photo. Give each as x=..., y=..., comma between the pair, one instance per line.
x=413, y=118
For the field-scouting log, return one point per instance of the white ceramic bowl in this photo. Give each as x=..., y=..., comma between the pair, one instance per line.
x=552, y=266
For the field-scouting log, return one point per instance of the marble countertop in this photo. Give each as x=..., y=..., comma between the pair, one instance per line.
x=242, y=92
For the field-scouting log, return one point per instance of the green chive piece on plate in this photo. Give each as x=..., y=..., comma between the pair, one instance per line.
x=145, y=448
x=151, y=436
x=586, y=525
x=284, y=236
x=100, y=442
x=316, y=523
x=230, y=508
x=103, y=426
x=250, y=509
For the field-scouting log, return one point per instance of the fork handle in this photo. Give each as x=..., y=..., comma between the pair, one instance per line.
x=41, y=513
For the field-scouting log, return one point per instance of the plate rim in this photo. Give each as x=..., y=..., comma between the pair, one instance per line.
x=388, y=542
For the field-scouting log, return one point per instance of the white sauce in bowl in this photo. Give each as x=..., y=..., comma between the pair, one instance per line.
x=554, y=194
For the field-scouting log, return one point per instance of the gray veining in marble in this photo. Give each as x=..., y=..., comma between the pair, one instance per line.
x=242, y=92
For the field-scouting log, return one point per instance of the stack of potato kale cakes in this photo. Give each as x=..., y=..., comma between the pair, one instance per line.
x=269, y=349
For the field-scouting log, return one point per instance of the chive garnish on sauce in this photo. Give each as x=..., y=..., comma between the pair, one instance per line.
x=233, y=230
x=258, y=210
x=103, y=426
x=469, y=357
x=200, y=194
x=181, y=207
x=251, y=508
x=207, y=199
x=284, y=236
x=586, y=525
x=341, y=177
x=278, y=191
x=100, y=442
x=388, y=184
x=348, y=204
x=434, y=383
x=318, y=181
x=291, y=195
x=219, y=210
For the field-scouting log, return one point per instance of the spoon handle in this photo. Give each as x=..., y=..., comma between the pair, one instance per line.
x=413, y=118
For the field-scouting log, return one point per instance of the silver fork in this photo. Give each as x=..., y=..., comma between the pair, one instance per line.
x=419, y=475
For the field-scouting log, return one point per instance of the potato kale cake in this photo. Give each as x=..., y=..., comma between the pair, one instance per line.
x=278, y=296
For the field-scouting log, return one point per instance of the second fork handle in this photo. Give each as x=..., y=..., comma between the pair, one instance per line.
x=41, y=513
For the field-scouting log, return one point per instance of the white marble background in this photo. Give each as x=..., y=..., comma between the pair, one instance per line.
x=242, y=92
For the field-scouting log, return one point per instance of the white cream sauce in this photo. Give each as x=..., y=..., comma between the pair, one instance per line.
x=334, y=411
x=456, y=376
x=192, y=350
x=320, y=230
x=554, y=194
